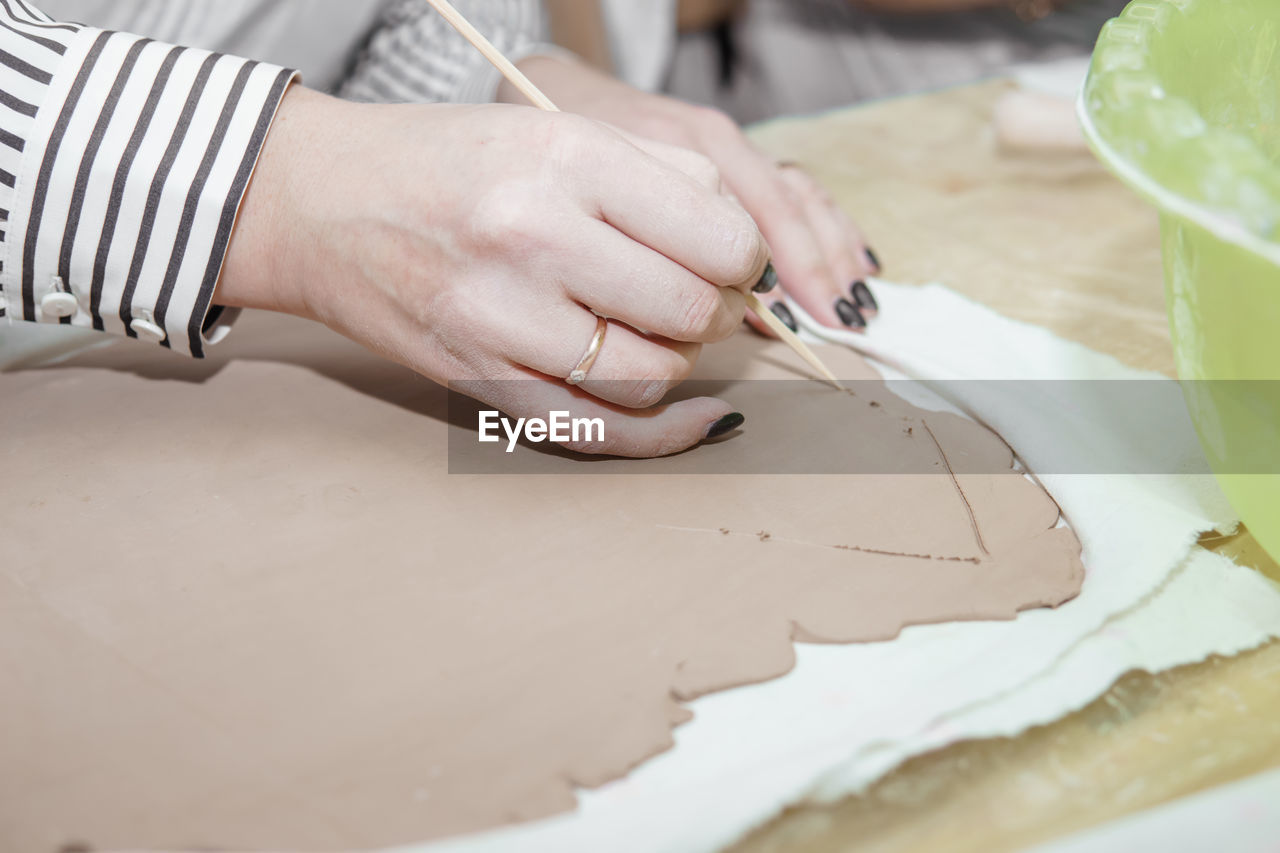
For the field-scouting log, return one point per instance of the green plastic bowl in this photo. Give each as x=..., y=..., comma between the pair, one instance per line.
x=1182, y=103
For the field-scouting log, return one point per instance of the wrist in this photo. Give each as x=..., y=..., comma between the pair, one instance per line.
x=259, y=270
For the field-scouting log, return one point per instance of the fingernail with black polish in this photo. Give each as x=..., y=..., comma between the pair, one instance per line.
x=875, y=262
x=768, y=280
x=849, y=315
x=862, y=295
x=783, y=313
x=728, y=423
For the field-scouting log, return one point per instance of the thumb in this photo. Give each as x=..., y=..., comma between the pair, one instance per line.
x=640, y=433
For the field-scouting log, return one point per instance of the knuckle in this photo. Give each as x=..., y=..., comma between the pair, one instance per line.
x=438, y=314
x=442, y=318
x=648, y=392
x=506, y=216
x=575, y=144
x=589, y=447
x=614, y=445
x=668, y=443
x=436, y=311
x=648, y=385
x=734, y=251
x=735, y=311
x=668, y=129
x=703, y=170
x=790, y=204
x=615, y=441
x=702, y=316
x=744, y=253
x=569, y=136
x=679, y=368
x=714, y=121
x=816, y=277
x=803, y=183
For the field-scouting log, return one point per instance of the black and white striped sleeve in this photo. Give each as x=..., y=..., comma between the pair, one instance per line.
x=415, y=56
x=122, y=165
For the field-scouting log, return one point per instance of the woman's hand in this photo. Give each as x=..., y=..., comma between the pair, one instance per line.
x=821, y=258
x=473, y=244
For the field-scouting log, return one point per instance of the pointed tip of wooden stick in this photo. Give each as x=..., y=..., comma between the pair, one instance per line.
x=790, y=339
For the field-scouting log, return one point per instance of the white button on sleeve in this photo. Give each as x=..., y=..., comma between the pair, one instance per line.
x=58, y=304
x=145, y=328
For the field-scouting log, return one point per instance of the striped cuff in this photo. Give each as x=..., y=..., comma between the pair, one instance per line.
x=129, y=184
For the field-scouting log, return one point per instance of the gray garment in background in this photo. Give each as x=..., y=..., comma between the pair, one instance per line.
x=806, y=56
x=414, y=56
x=320, y=38
x=366, y=50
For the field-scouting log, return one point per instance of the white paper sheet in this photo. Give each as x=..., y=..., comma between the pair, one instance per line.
x=1208, y=604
